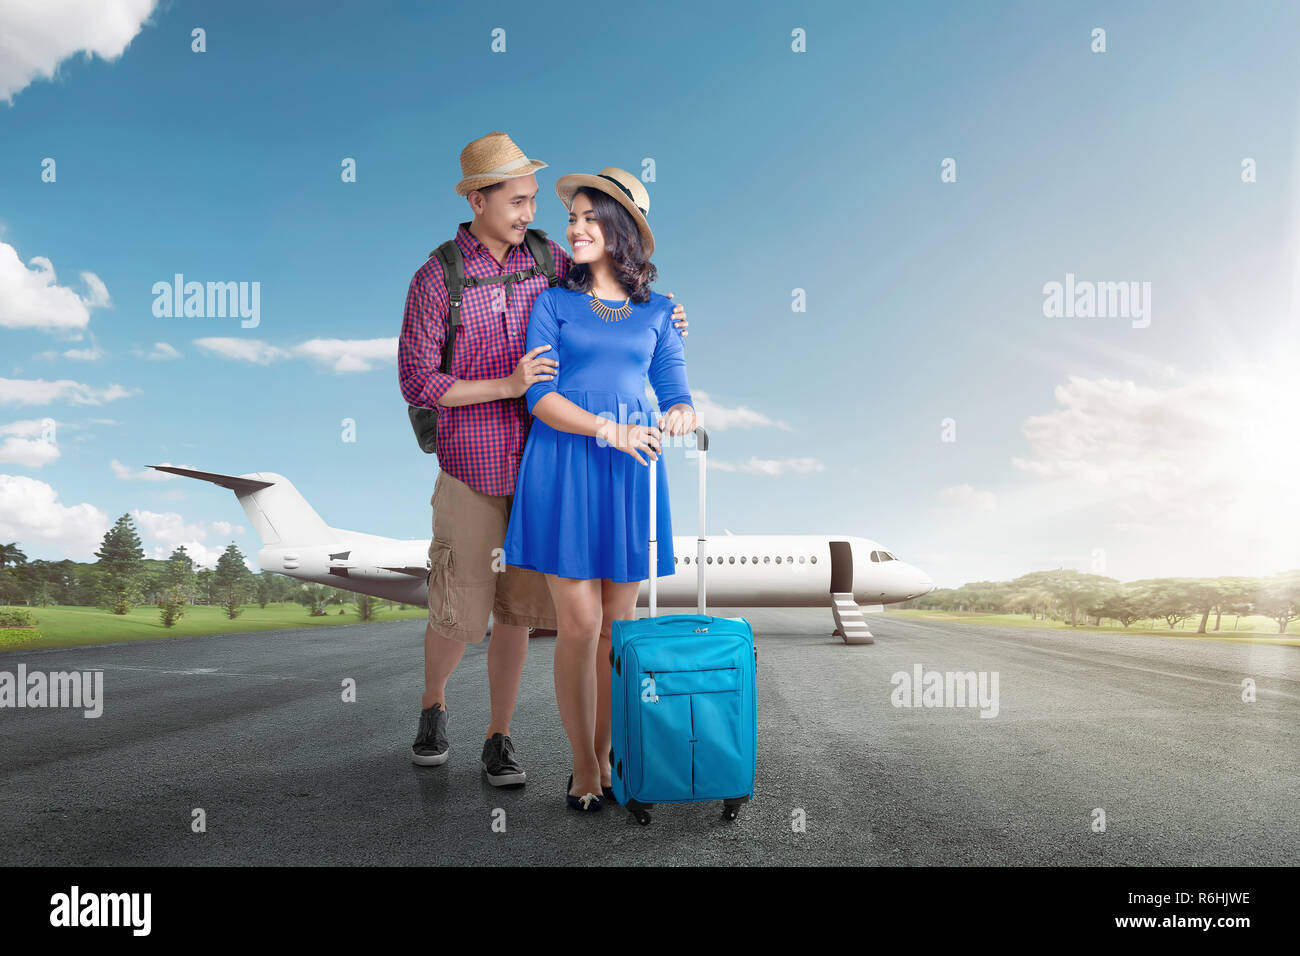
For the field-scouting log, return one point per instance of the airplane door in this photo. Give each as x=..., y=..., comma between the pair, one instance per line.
x=841, y=567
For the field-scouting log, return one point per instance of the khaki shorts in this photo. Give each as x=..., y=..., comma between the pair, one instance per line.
x=468, y=548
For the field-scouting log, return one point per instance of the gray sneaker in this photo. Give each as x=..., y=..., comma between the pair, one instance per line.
x=499, y=762
x=430, y=747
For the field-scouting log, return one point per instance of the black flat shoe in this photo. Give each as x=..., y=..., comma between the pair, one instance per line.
x=609, y=791
x=588, y=801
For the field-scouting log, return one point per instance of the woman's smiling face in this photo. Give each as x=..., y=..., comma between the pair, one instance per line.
x=586, y=240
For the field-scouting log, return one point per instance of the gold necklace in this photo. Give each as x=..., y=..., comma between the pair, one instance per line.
x=608, y=314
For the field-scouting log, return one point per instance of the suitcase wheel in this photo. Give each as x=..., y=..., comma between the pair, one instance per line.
x=730, y=812
x=638, y=810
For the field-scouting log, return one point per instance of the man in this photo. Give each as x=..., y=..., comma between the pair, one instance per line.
x=482, y=426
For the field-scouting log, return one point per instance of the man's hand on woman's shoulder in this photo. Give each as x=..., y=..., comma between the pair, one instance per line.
x=679, y=316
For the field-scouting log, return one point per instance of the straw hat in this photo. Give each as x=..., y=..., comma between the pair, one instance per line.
x=625, y=188
x=491, y=159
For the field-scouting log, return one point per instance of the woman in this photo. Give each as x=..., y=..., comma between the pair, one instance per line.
x=580, y=513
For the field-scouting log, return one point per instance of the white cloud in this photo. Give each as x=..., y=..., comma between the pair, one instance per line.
x=30, y=452
x=1215, y=448
x=28, y=427
x=161, y=352
x=717, y=417
x=243, y=350
x=349, y=355
x=92, y=354
x=163, y=532
x=1192, y=474
x=31, y=514
x=35, y=37
x=771, y=467
x=337, y=355
x=966, y=496
x=31, y=298
x=99, y=297
x=124, y=473
x=37, y=391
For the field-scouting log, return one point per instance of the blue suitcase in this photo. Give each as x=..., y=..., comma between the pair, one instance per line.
x=683, y=701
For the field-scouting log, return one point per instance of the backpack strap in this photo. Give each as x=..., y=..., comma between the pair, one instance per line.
x=453, y=273
x=541, y=252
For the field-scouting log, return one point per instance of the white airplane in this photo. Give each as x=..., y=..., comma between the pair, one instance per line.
x=845, y=573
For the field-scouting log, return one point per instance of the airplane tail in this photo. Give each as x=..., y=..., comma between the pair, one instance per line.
x=278, y=512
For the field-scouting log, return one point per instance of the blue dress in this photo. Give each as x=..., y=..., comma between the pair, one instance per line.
x=581, y=508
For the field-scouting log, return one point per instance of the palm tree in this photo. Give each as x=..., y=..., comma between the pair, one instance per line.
x=9, y=554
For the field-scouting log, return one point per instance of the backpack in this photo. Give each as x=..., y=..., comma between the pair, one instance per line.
x=425, y=420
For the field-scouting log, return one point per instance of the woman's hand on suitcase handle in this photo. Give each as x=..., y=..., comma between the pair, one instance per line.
x=631, y=439
x=679, y=420
x=530, y=369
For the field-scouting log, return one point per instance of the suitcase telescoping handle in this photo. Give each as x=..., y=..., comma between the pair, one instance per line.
x=701, y=446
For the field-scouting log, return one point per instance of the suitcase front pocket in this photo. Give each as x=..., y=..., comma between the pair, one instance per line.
x=696, y=682
x=691, y=735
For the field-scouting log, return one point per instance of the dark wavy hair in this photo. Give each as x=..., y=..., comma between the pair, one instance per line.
x=623, y=245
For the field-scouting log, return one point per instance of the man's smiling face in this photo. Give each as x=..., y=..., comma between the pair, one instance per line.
x=506, y=211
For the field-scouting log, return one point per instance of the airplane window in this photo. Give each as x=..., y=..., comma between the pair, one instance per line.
x=766, y=559
x=778, y=559
x=814, y=559
x=742, y=559
x=756, y=559
x=789, y=559
x=875, y=556
x=710, y=559
x=731, y=560
x=801, y=559
x=686, y=560
x=886, y=556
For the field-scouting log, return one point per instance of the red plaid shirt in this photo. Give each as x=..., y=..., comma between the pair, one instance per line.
x=481, y=444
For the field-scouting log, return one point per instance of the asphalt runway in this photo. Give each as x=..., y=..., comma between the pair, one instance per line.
x=252, y=728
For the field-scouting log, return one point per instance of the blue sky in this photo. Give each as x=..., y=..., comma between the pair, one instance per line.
x=1079, y=442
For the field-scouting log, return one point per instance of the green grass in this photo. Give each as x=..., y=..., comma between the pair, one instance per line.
x=1256, y=629
x=64, y=626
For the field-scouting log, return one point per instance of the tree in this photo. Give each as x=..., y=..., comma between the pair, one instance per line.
x=1120, y=606
x=9, y=554
x=368, y=607
x=1170, y=598
x=1073, y=589
x=315, y=597
x=172, y=607
x=1279, y=598
x=203, y=583
x=121, y=563
x=232, y=579
x=178, y=575
x=1238, y=598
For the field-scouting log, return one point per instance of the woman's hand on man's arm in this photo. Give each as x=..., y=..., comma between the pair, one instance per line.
x=529, y=369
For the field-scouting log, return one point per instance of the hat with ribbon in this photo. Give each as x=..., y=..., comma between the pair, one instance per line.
x=492, y=159
x=623, y=187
